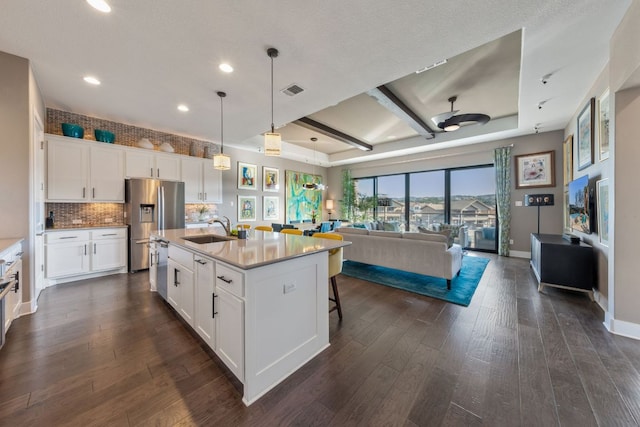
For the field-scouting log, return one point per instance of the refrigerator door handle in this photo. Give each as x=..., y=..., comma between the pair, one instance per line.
x=161, y=208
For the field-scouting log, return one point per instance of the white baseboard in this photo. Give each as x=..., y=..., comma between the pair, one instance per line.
x=520, y=254
x=621, y=327
x=602, y=301
x=68, y=279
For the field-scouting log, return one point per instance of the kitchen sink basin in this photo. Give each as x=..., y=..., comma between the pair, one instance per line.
x=210, y=238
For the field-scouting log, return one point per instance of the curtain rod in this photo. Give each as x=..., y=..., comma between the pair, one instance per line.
x=441, y=156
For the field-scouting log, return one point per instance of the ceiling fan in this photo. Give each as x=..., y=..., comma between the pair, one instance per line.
x=449, y=121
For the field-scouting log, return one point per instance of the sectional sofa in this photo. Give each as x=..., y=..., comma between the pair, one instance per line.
x=420, y=253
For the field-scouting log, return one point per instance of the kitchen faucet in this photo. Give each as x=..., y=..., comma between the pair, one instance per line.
x=227, y=226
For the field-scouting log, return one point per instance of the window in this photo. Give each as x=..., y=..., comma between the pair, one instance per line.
x=426, y=198
x=391, y=201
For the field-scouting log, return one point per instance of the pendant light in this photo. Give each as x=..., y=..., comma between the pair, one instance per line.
x=221, y=161
x=272, y=140
x=313, y=185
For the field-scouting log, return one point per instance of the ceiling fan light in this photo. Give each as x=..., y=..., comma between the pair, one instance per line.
x=221, y=162
x=452, y=127
x=272, y=144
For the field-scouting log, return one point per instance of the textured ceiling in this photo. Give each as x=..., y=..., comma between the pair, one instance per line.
x=152, y=55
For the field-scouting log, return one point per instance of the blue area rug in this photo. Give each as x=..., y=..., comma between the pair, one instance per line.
x=462, y=286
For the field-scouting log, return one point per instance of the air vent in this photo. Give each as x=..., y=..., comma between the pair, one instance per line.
x=292, y=90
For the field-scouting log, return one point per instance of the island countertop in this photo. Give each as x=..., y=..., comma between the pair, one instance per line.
x=259, y=249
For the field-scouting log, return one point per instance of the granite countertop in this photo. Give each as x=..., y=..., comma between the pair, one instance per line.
x=85, y=227
x=259, y=249
x=7, y=243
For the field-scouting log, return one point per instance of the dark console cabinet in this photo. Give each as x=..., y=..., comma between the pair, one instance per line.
x=557, y=262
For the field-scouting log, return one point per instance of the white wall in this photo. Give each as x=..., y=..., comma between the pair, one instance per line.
x=523, y=219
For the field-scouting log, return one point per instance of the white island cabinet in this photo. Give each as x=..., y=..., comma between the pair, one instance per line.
x=261, y=304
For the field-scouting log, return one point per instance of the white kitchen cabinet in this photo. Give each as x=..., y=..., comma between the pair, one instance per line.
x=67, y=253
x=230, y=331
x=108, y=249
x=205, y=317
x=84, y=171
x=13, y=298
x=67, y=170
x=153, y=265
x=148, y=164
x=180, y=283
x=202, y=183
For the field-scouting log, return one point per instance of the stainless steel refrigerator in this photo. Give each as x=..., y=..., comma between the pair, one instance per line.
x=150, y=204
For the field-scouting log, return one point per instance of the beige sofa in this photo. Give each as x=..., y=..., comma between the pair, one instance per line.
x=415, y=252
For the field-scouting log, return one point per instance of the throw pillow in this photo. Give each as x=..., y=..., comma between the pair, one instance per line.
x=446, y=233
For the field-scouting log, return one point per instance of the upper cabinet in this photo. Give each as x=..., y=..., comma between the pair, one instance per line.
x=202, y=183
x=83, y=171
x=149, y=164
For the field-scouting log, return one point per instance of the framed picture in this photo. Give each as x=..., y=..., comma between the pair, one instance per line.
x=604, y=134
x=247, y=176
x=567, y=159
x=586, y=135
x=602, y=196
x=301, y=203
x=535, y=170
x=246, y=208
x=270, y=208
x=270, y=179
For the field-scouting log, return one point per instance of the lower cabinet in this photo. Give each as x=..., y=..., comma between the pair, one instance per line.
x=71, y=254
x=230, y=331
x=180, y=283
x=205, y=324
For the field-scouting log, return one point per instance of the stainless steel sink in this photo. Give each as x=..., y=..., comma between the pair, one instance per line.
x=209, y=238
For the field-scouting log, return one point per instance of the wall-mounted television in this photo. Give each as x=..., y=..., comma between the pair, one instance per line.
x=581, y=205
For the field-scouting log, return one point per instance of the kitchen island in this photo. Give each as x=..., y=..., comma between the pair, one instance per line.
x=260, y=303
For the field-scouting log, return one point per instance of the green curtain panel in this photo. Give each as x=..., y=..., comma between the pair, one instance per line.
x=502, y=162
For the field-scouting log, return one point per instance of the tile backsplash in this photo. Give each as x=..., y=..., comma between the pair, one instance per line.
x=91, y=214
x=128, y=135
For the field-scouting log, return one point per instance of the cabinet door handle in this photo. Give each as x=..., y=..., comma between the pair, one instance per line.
x=151, y=172
x=94, y=248
x=224, y=279
x=213, y=306
x=69, y=237
x=201, y=262
x=110, y=234
x=85, y=248
x=158, y=172
x=205, y=196
x=175, y=277
x=83, y=192
x=151, y=259
x=93, y=192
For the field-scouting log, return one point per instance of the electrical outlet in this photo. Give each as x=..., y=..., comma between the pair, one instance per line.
x=511, y=241
x=76, y=221
x=108, y=220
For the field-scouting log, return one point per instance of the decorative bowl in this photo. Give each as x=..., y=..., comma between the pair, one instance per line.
x=72, y=130
x=166, y=147
x=145, y=143
x=104, y=136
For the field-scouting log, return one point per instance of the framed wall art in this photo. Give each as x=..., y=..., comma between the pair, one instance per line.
x=301, y=203
x=602, y=196
x=567, y=159
x=246, y=208
x=535, y=170
x=247, y=176
x=270, y=179
x=270, y=208
x=586, y=135
x=604, y=134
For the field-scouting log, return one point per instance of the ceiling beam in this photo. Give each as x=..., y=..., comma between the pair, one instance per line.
x=333, y=133
x=391, y=102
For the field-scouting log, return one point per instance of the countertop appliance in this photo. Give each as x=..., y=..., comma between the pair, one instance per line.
x=150, y=204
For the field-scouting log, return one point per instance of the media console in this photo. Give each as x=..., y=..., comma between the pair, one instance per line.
x=559, y=263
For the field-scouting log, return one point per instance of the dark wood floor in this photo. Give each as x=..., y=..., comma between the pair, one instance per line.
x=108, y=352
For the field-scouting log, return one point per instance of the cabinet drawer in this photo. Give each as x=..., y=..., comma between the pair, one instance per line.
x=185, y=258
x=229, y=279
x=109, y=233
x=66, y=236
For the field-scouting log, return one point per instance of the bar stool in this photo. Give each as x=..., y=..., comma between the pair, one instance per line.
x=243, y=226
x=335, y=268
x=264, y=228
x=293, y=231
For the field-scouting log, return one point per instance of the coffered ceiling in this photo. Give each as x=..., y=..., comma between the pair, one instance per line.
x=153, y=55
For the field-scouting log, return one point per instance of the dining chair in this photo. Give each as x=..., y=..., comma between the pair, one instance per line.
x=294, y=231
x=264, y=228
x=335, y=268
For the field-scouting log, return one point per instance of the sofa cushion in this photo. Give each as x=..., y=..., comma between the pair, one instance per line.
x=390, y=226
x=385, y=233
x=352, y=230
x=446, y=233
x=431, y=237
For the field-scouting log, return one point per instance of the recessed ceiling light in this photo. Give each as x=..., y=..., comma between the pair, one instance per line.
x=183, y=108
x=391, y=137
x=91, y=80
x=100, y=5
x=226, y=68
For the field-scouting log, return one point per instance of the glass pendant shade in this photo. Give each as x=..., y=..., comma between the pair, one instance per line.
x=272, y=144
x=221, y=162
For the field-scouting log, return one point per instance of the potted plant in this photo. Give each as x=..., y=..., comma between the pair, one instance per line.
x=203, y=212
x=313, y=216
